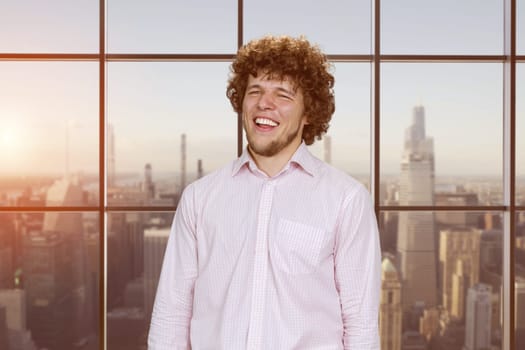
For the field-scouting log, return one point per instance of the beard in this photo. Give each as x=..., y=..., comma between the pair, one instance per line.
x=275, y=146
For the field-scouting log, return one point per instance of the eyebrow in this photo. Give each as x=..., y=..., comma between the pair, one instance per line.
x=258, y=86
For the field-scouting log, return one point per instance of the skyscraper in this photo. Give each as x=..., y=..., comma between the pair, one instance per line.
x=459, y=256
x=182, y=162
x=479, y=316
x=415, y=241
x=155, y=241
x=390, y=311
x=519, y=315
x=327, y=143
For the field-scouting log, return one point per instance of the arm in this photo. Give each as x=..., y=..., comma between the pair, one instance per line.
x=172, y=311
x=358, y=271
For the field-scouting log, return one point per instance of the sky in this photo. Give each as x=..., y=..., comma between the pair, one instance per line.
x=46, y=105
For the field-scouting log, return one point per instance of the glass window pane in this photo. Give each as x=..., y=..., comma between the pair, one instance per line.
x=441, y=134
x=520, y=27
x=48, y=130
x=136, y=242
x=346, y=25
x=167, y=26
x=442, y=27
x=347, y=142
x=52, y=26
x=49, y=279
x=170, y=123
x=437, y=275
x=520, y=134
x=519, y=287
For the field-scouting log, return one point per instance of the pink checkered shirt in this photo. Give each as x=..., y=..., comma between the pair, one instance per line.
x=257, y=262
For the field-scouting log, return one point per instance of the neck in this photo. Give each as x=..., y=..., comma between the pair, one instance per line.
x=272, y=165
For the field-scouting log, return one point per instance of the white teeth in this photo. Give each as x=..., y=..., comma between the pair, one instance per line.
x=265, y=121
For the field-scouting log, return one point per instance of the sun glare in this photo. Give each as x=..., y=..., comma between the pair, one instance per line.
x=8, y=138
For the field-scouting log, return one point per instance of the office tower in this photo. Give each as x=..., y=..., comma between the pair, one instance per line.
x=155, y=241
x=14, y=302
x=148, y=187
x=200, y=171
x=327, y=143
x=479, y=317
x=459, y=256
x=415, y=241
x=390, y=310
x=182, y=162
x=49, y=284
x=111, y=157
x=7, y=251
x=3, y=329
x=69, y=227
x=519, y=315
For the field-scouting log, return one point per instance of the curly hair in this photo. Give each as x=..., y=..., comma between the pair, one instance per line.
x=295, y=59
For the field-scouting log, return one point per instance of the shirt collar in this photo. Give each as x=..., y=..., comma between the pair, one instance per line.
x=302, y=158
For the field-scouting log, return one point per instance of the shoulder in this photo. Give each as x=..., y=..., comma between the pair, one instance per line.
x=340, y=181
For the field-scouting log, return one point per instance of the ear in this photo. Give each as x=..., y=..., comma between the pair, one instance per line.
x=306, y=120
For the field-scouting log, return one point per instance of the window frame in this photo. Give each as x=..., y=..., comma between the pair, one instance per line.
x=509, y=59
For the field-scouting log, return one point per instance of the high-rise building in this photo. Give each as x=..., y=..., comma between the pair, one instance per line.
x=111, y=157
x=155, y=241
x=478, y=318
x=416, y=240
x=14, y=302
x=182, y=162
x=3, y=329
x=390, y=310
x=148, y=187
x=68, y=230
x=48, y=273
x=327, y=143
x=459, y=256
x=519, y=315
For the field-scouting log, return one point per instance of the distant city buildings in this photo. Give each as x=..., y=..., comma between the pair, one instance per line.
x=478, y=318
x=459, y=256
x=390, y=309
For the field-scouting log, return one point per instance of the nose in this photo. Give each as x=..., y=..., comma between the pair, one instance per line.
x=265, y=101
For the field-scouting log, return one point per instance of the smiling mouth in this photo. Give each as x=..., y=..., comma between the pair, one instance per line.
x=265, y=122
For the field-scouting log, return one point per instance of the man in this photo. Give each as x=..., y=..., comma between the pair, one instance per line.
x=277, y=250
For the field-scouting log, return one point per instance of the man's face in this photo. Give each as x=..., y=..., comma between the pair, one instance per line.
x=272, y=114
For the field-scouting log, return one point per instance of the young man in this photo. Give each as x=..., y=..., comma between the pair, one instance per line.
x=277, y=250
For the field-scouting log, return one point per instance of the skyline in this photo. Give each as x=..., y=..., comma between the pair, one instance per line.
x=39, y=99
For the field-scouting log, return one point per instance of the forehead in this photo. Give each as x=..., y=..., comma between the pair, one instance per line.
x=268, y=80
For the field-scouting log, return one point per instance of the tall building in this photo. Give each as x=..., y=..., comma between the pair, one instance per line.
x=155, y=241
x=111, y=157
x=390, y=310
x=148, y=187
x=4, y=344
x=519, y=315
x=14, y=302
x=416, y=240
x=459, y=256
x=479, y=317
x=182, y=162
x=69, y=229
x=49, y=285
x=327, y=143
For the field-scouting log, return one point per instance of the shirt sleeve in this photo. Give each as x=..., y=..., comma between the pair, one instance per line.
x=358, y=271
x=172, y=310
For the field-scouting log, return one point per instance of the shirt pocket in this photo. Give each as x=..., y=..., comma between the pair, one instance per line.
x=296, y=247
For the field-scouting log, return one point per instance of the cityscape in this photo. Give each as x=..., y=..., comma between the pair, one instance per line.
x=441, y=271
